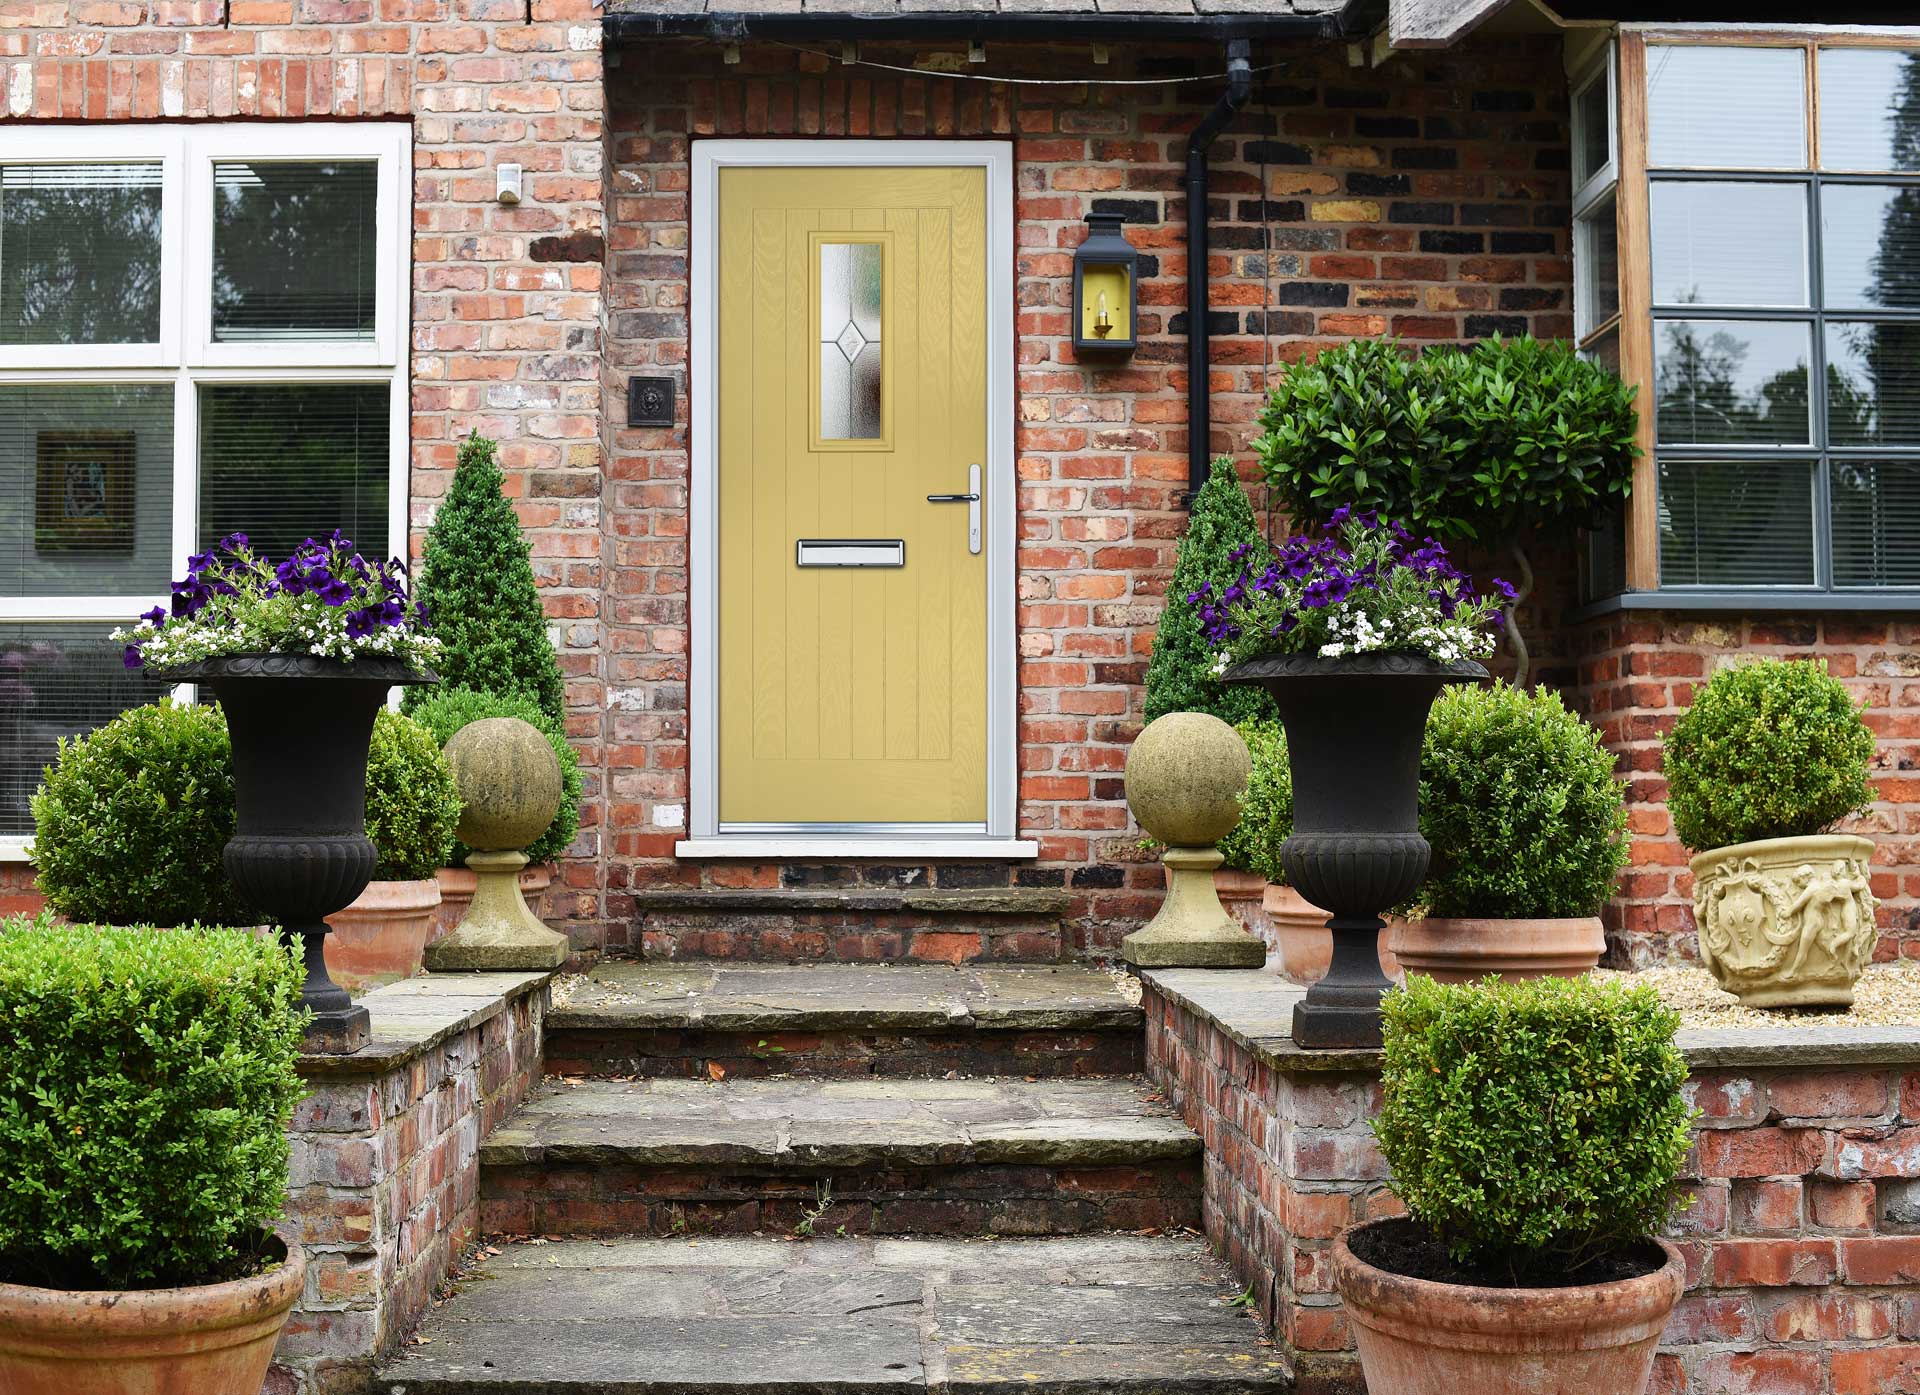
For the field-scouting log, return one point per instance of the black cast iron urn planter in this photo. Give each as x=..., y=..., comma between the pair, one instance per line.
x=300, y=728
x=1354, y=727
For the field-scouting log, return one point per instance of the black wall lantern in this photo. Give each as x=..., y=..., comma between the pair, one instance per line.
x=1103, y=289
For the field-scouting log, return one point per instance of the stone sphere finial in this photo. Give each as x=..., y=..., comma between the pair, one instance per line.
x=1185, y=776
x=509, y=783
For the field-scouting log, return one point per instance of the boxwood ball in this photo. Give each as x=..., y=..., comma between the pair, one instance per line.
x=1185, y=775
x=509, y=783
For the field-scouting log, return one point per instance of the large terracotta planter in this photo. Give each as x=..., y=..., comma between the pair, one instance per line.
x=215, y=1339
x=1786, y=922
x=1464, y=950
x=1354, y=728
x=381, y=936
x=457, y=886
x=1417, y=1337
x=1296, y=931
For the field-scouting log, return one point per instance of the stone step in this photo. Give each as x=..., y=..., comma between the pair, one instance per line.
x=1098, y=1315
x=710, y=1021
x=853, y=924
x=949, y=1157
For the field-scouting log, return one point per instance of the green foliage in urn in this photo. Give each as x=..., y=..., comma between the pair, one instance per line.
x=1266, y=817
x=1519, y=800
x=146, y=1081
x=1533, y=1125
x=478, y=587
x=1180, y=676
x=447, y=710
x=130, y=820
x=1770, y=749
x=412, y=804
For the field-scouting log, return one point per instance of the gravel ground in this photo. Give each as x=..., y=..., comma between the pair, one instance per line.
x=1887, y=995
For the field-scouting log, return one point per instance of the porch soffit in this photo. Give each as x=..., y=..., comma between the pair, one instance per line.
x=951, y=19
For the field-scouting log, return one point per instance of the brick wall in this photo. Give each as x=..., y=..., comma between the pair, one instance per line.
x=1427, y=198
x=1802, y=1244
x=386, y=1173
x=506, y=307
x=1637, y=673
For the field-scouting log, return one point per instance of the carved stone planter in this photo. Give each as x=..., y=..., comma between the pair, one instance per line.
x=300, y=727
x=1786, y=922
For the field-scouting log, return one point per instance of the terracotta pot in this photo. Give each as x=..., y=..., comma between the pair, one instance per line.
x=1787, y=922
x=1465, y=949
x=456, y=893
x=1296, y=932
x=213, y=1339
x=1417, y=1337
x=381, y=936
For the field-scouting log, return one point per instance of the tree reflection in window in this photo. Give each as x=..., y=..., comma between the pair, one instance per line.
x=294, y=250
x=80, y=253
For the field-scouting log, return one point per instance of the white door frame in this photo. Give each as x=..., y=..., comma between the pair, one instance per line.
x=999, y=838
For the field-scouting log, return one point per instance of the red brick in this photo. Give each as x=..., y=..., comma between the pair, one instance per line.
x=1837, y=1094
x=1891, y=1259
x=1876, y=1371
x=1761, y=1373
x=1774, y=1263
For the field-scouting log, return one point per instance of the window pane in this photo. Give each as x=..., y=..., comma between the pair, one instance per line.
x=80, y=254
x=293, y=250
x=1605, y=351
x=1721, y=243
x=850, y=284
x=1869, y=109
x=282, y=463
x=56, y=680
x=88, y=473
x=1736, y=523
x=1600, y=264
x=1590, y=119
x=1876, y=523
x=1873, y=383
x=1870, y=245
x=1726, y=108
x=1727, y=381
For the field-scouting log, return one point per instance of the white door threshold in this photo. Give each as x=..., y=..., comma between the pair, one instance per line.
x=785, y=848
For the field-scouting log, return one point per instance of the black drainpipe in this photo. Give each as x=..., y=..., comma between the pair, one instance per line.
x=1199, y=358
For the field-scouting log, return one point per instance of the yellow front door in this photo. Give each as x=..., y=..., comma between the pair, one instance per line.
x=852, y=385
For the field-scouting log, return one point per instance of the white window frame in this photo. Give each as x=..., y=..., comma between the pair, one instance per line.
x=186, y=355
x=1596, y=190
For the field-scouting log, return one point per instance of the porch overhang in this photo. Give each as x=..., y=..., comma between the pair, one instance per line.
x=982, y=20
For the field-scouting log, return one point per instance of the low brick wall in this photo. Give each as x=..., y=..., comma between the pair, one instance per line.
x=1802, y=1245
x=386, y=1175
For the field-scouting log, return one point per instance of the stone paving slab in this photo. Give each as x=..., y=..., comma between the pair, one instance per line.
x=1096, y=1315
x=802, y=1123
x=780, y=997
x=409, y=1018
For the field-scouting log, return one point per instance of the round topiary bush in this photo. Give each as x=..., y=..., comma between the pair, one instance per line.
x=450, y=709
x=1519, y=800
x=412, y=805
x=1266, y=809
x=146, y=1081
x=1770, y=749
x=1535, y=1125
x=130, y=821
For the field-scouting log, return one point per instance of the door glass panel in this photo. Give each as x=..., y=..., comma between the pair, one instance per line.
x=1736, y=523
x=88, y=473
x=850, y=355
x=1711, y=107
x=1876, y=523
x=80, y=254
x=1726, y=381
x=294, y=250
x=1870, y=245
x=1723, y=243
x=1869, y=109
x=286, y=462
x=1873, y=382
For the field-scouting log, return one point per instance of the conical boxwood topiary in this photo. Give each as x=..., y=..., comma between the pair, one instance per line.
x=1180, y=675
x=481, y=600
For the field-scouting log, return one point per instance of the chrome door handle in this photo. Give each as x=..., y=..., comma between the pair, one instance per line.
x=972, y=500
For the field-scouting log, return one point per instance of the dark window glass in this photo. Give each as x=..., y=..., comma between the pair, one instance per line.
x=1870, y=246
x=80, y=254
x=1726, y=382
x=1873, y=382
x=294, y=250
x=1876, y=523
x=1736, y=523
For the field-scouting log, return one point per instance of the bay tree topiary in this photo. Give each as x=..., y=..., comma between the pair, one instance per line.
x=146, y=1082
x=130, y=820
x=1266, y=808
x=412, y=801
x=477, y=584
x=1519, y=799
x=1483, y=445
x=450, y=709
x=1532, y=1126
x=1180, y=674
x=1774, y=748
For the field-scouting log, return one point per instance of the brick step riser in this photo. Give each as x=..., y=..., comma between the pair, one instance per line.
x=698, y=1054
x=964, y=1199
x=850, y=937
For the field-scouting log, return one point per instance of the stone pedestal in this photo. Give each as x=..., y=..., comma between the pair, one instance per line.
x=1193, y=930
x=498, y=930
